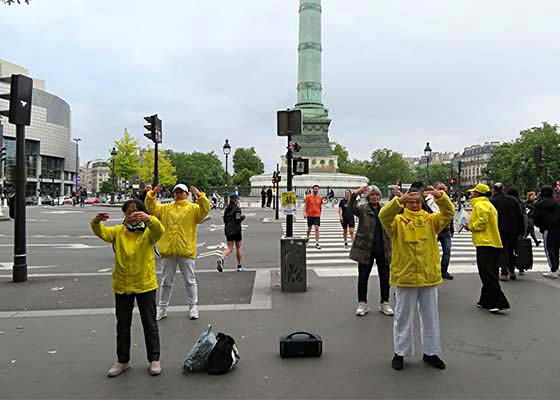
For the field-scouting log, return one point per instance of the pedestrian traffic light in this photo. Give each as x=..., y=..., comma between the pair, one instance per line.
x=537, y=155
x=294, y=146
x=154, y=128
x=274, y=177
x=21, y=90
x=451, y=181
x=300, y=166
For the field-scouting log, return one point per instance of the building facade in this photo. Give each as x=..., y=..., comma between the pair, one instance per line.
x=94, y=174
x=472, y=164
x=50, y=152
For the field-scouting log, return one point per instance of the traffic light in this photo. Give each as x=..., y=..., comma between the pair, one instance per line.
x=2, y=154
x=537, y=155
x=300, y=166
x=399, y=184
x=289, y=122
x=294, y=146
x=21, y=90
x=451, y=181
x=154, y=128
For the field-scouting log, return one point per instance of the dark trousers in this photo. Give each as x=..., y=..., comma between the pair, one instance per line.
x=552, y=249
x=445, y=240
x=269, y=201
x=363, y=277
x=507, y=257
x=531, y=230
x=263, y=201
x=491, y=295
x=124, y=304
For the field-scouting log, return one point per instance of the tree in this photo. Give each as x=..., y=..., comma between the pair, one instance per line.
x=387, y=167
x=438, y=172
x=342, y=153
x=241, y=178
x=247, y=159
x=106, y=187
x=126, y=160
x=166, y=170
x=203, y=170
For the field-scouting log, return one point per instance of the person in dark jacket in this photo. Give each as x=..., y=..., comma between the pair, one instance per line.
x=370, y=244
x=547, y=219
x=510, y=225
x=232, y=228
x=512, y=191
x=445, y=236
x=142, y=196
x=263, y=196
x=530, y=209
x=268, y=197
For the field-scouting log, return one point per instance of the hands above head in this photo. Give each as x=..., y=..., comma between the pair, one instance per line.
x=396, y=193
x=195, y=191
x=436, y=193
x=409, y=196
x=362, y=189
x=138, y=216
x=101, y=216
x=158, y=188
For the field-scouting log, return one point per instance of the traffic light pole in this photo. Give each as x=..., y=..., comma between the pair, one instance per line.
x=156, y=170
x=289, y=217
x=277, y=184
x=19, y=273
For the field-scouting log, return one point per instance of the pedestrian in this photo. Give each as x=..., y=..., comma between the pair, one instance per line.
x=144, y=193
x=511, y=226
x=346, y=218
x=312, y=211
x=445, y=236
x=268, y=197
x=330, y=197
x=263, y=196
x=373, y=245
x=134, y=277
x=486, y=237
x=83, y=197
x=416, y=271
x=547, y=219
x=178, y=244
x=530, y=210
x=233, y=218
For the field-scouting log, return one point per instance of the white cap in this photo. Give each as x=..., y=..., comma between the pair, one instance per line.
x=181, y=186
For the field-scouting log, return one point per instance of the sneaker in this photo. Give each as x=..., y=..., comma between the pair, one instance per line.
x=220, y=264
x=117, y=369
x=362, y=309
x=155, y=368
x=434, y=361
x=386, y=309
x=161, y=314
x=479, y=305
x=241, y=267
x=398, y=362
x=346, y=245
x=497, y=310
x=193, y=312
x=306, y=240
x=551, y=275
x=447, y=275
x=317, y=246
x=537, y=243
x=521, y=272
x=504, y=278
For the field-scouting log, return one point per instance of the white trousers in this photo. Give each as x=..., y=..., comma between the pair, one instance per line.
x=407, y=300
x=186, y=266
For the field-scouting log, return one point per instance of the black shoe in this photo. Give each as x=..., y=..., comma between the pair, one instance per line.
x=434, y=361
x=537, y=243
x=447, y=275
x=512, y=277
x=398, y=362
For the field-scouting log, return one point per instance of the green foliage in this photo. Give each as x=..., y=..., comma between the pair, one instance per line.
x=241, y=178
x=438, y=172
x=342, y=153
x=126, y=160
x=203, y=170
x=166, y=170
x=106, y=187
x=247, y=159
x=387, y=167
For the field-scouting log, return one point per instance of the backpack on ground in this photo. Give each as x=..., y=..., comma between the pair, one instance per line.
x=224, y=356
x=197, y=358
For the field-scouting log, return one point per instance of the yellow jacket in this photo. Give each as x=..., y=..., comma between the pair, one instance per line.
x=181, y=219
x=135, y=262
x=484, y=223
x=415, y=261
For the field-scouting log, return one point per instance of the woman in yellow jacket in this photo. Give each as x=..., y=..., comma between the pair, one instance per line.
x=483, y=224
x=416, y=270
x=134, y=277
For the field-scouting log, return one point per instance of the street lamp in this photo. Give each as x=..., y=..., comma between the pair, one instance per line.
x=227, y=150
x=113, y=155
x=77, y=164
x=428, y=155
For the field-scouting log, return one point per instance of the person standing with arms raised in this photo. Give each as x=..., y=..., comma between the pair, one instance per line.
x=177, y=246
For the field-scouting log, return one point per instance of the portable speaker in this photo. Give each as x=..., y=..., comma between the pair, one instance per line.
x=301, y=344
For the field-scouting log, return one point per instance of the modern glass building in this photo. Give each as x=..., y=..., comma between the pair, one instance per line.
x=50, y=151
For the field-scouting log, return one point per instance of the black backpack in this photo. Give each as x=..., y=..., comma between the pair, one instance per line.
x=224, y=356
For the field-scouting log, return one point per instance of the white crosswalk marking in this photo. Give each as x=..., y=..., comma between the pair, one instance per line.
x=332, y=259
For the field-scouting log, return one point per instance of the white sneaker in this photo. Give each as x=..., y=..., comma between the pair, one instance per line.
x=155, y=368
x=117, y=369
x=161, y=314
x=386, y=309
x=193, y=312
x=362, y=309
x=551, y=275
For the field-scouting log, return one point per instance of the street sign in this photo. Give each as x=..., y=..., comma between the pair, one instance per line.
x=301, y=166
x=289, y=122
x=289, y=203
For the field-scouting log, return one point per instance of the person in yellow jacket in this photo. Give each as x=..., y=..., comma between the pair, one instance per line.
x=483, y=224
x=178, y=244
x=134, y=277
x=416, y=270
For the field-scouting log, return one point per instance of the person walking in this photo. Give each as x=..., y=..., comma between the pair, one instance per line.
x=232, y=229
x=373, y=244
x=312, y=208
x=547, y=219
x=511, y=226
x=178, y=244
x=530, y=210
x=134, y=278
x=346, y=218
x=445, y=236
x=263, y=196
x=416, y=271
x=268, y=197
x=486, y=237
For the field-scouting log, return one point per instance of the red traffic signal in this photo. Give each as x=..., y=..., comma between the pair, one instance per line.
x=452, y=181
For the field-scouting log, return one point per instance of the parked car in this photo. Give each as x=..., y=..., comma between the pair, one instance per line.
x=64, y=200
x=47, y=200
x=92, y=200
x=31, y=201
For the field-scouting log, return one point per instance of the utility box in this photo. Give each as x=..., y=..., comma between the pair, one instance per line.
x=293, y=268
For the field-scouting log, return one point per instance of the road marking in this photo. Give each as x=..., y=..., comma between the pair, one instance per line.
x=10, y=265
x=71, y=246
x=61, y=212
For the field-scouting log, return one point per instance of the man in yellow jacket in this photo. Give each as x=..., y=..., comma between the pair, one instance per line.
x=416, y=270
x=177, y=246
x=483, y=224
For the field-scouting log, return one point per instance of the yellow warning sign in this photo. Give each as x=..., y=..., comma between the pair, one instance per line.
x=288, y=199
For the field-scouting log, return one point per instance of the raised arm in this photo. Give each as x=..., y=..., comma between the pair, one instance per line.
x=151, y=202
x=106, y=234
x=446, y=210
x=202, y=202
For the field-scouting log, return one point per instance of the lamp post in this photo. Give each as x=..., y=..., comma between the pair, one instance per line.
x=227, y=150
x=114, y=153
x=428, y=155
x=77, y=140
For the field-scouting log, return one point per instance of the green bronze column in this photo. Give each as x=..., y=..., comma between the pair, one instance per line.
x=309, y=54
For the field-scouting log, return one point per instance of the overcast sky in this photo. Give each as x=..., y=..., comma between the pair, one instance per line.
x=395, y=73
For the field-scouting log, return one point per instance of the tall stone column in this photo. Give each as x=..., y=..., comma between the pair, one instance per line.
x=309, y=54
